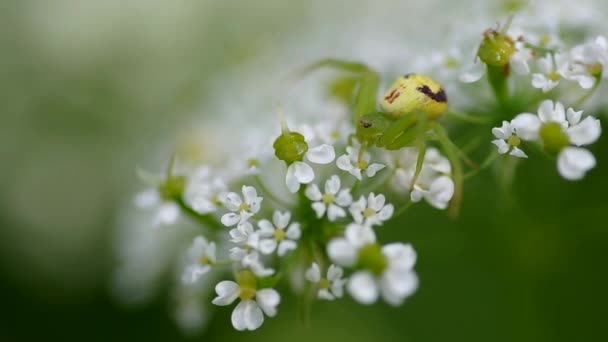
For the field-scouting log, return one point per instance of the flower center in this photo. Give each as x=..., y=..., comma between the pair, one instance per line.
x=253, y=163
x=362, y=164
x=247, y=284
x=452, y=63
x=244, y=207
x=324, y=284
x=595, y=69
x=372, y=259
x=369, y=212
x=554, y=138
x=172, y=188
x=279, y=234
x=514, y=141
x=554, y=76
x=328, y=198
x=204, y=260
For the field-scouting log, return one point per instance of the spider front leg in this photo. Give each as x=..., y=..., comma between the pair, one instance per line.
x=457, y=173
x=368, y=83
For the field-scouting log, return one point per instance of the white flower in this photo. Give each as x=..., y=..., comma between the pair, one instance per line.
x=433, y=183
x=332, y=201
x=249, y=313
x=300, y=172
x=572, y=163
x=165, y=212
x=200, y=258
x=371, y=211
x=205, y=193
x=394, y=281
x=246, y=253
x=276, y=237
x=357, y=163
x=591, y=55
x=344, y=250
x=507, y=140
x=328, y=288
x=241, y=210
x=552, y=68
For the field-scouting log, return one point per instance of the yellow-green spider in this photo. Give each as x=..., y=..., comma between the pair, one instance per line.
x=406, y=115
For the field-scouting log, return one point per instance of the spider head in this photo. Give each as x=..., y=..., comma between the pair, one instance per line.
x=371, y=127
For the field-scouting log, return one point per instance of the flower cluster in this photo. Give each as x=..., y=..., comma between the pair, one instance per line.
x=307, y=204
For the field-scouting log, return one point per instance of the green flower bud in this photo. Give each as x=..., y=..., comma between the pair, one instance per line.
x=554, y=138
x=496, y=49
x=372, y=259
x=172, y=188
x=290, y=147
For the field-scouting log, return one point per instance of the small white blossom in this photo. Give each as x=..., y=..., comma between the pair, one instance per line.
x=332, y=201
x=371, y=211
x=165, y=212
x=330, y=287
x=249, y=313
x=277, y=237
x=552, y=67
x=204, y=192
x=358, y=164
x=572, y=162
x=299, y=172
x=241, y=210
x=246, y=252
x=386, y=271
x=507, y=140
x=200, y=258
x=591, y=55
x=395, y=282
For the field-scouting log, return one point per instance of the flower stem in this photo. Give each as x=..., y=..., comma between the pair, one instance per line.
x=497, y=76
x=589, y=93
x=468, y=118
x=207, y=220
x=402, y=209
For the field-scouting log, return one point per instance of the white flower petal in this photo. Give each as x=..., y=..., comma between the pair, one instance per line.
x=503, y=147
x=322, y=154
x=168, y=213
x=526, y=126
x=267, y=246
x=344, y=198
x=281, y=220
x=293, y=232
x=342, y=252
x=292, y=182
x=252, y=315
x=332, y=185
x=147, y=199
x=227, y=292
x=473, y=72
x=319, y=208
x=238, y=317
x=586, y=132
x=230, y=219
x=573, y=162
x=268, y=300
x=249, y=194
x=313, y=274
x=334, y=273
x=266, y=228
x=359, y=235
x=362, y=286
x=373, y=169
x=334, y=212
x=286, y=246
x=313, y=193
x=516, y=152
x=400, y=256
x=343, y=163
x=303, y=172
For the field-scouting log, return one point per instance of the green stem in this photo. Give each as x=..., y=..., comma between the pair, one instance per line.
x=457, y=173
x=402, y=209
x=497, y=76
x=486, y=162
x=468, y=118
x=589, y=93
x=207, y=220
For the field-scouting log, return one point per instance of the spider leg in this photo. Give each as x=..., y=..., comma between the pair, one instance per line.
x=369, y=83
x=421, y=129
x=399, y=133
x=457, y=173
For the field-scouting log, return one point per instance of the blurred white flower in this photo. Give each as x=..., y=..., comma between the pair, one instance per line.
x=330, y=287
x=165, y=212
x=200, y=258
x=205, y=192
x=344, y=250
x=332, y=201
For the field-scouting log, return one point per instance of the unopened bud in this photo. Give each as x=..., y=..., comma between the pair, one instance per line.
x=496, y=48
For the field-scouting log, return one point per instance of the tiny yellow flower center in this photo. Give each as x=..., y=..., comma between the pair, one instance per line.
x=554, y=138
x=334, y=134
x=328, y=198
x=252, y=162
x=514, y=141
x=369, y=212
x=452, y=63
x=595, y=69
x=554, y=76
x=279, y=234
x=215, y=200
x=372, y=259
x=324, y=284
x=244, y=207
x=362, y=164
x=204, y=260
x=247, y=284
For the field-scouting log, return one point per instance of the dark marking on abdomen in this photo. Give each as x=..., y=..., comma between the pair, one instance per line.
x=439, y=96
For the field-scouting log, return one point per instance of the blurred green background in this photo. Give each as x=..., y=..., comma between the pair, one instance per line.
x=90, y=89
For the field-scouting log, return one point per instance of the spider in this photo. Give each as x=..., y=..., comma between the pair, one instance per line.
x=406, y=116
